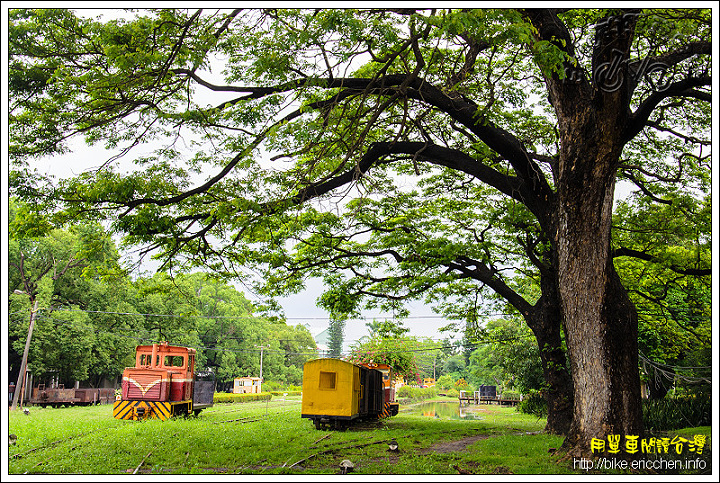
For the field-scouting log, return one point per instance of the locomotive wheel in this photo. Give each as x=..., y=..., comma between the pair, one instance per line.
x=197, y=412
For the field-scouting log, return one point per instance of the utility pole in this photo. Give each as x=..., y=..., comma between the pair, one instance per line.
x=20, y=386
x=262, y=348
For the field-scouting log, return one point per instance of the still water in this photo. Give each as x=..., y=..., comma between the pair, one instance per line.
x=448, y=410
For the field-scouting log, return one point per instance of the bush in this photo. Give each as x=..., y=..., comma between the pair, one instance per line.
x=533, y=403
x=276, y=386
x=417, y=393
x=452, y=392
x=462, y=385
x=677, y=412
x=510, y=395
x=224, y=397
x=445, y=382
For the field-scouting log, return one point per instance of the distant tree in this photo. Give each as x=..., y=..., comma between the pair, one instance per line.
x=508, y=356
x=336, y=332
x=74, y=271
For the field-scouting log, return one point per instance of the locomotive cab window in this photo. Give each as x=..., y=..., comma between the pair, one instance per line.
x=327, y=380
x=146, y=360
x=174, y=361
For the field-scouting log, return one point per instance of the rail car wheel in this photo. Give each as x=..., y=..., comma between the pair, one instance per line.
x=340, y=425
x=197, y=412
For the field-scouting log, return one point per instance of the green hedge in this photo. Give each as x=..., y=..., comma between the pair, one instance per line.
x=225, y=397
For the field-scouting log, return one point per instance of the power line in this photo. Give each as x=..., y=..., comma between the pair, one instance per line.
x=328, y=318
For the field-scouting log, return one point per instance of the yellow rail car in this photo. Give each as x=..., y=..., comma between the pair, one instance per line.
x=337, y=392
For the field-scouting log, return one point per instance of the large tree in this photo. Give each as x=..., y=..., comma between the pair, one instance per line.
x=399, y=154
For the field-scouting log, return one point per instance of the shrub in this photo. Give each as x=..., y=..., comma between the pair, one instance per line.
x=224, y=397
x=533, y=403
x=452, y=392
x=462, y=385
x=510, y=395
x=445, y=382
x=276, y=386
x=417, y=393
x=677, y=412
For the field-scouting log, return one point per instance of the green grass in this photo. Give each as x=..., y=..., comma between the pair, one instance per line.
x=271, y=438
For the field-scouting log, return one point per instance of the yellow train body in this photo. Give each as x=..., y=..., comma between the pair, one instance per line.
x=336, y=392
x=331, y=387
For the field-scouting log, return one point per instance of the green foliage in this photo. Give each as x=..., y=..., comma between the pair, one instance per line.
x=462, y=385
x=336, y=335
x=534, y=403
x=677, y=412
x=388, y=346
x=274, y=386
x=92, y=315
x=445, y=381
x=416, y=393
x=509, y=356
x=286, y=393
x=666, y=240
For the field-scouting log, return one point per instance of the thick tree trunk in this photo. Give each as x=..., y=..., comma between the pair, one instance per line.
x=600, y=320
x=559, y=393
x=546, y=326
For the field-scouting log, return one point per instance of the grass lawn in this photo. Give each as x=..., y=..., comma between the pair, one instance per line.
x=271, y=438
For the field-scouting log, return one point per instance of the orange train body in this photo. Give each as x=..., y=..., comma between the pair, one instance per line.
x=162, y=384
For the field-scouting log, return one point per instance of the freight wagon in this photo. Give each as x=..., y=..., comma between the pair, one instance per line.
x=59, y=396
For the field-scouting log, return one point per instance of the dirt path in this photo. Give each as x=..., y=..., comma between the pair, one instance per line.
x=451, y=446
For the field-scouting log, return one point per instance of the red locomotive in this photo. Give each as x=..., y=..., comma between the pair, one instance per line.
x=163, y=384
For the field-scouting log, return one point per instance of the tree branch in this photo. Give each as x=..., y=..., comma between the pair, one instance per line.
x=639, y=119
x=628, y=252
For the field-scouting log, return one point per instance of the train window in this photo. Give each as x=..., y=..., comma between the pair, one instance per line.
x=145, y=359
x=174, y=361
x=327, y=380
